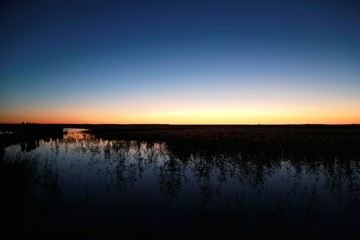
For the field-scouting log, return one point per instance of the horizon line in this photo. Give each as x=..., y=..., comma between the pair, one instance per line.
x=184, y=124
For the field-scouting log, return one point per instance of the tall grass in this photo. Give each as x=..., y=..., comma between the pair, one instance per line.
x=340, y=141
x=30, y=187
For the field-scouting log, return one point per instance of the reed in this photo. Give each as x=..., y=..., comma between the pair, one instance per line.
x=30, y=187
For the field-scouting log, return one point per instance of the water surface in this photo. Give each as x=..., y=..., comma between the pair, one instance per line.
x=127, y=188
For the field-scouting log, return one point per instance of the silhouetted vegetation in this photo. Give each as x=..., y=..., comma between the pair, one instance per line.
x=227, y=184
x=28, y=134
x=341, y=141
x=30, y=188
x=213, y=181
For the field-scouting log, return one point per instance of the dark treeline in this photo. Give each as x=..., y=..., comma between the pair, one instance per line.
x=18, y=127
x=28, y=133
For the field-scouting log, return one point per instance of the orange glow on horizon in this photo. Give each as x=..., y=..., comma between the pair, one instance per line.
x=191, y=116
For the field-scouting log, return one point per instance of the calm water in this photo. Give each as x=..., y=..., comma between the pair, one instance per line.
x=129, y=188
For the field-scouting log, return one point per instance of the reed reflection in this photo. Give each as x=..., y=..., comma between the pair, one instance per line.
x=232, y=192
x=173, y=166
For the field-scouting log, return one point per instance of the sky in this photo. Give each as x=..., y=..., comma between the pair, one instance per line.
x=180, y=62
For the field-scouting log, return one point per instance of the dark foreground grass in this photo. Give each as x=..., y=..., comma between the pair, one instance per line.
x=29, y=188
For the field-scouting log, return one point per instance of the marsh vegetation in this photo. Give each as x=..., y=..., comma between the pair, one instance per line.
x=30, y=192
x=206, y=181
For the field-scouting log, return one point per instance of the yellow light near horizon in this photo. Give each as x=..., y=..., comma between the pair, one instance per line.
x=247, y=116
x=253, y=115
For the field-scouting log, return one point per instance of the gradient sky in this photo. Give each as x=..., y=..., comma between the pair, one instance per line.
x=180, y=62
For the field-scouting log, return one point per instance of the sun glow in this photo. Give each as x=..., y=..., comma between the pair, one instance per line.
x=178, y=115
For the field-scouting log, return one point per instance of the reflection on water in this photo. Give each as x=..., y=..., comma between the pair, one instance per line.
x=129, y=188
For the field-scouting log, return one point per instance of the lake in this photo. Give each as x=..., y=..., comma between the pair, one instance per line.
x=88, y=185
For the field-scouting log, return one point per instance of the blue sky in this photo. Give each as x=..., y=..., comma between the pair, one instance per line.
x=180, y=61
